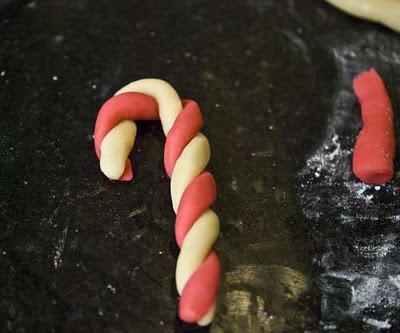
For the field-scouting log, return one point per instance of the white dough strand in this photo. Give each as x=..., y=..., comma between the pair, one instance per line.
x=386, y=12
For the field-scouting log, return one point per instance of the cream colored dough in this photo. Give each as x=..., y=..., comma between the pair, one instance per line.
x=191, y=163
x=208, y=318
x=113, y=156
x=115, y=149
x=169, y=103
x=195, y=247
x=386, y=12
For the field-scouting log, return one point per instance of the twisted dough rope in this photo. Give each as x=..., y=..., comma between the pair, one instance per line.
x=193, y=191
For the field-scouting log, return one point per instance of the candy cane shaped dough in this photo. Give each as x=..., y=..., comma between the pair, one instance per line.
x=187, y=153
x=386, y=12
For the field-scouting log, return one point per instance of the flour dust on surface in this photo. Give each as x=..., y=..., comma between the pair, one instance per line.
x=360, y=279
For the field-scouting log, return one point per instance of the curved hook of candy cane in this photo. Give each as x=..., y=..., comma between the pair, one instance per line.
x=196, y=262
x=114, y=162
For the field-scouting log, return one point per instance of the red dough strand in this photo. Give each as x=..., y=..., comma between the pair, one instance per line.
x=198, y=196
x=375, y=146
x=186, y=126
x=200, y=291
x=125, y=106
x=131, y=105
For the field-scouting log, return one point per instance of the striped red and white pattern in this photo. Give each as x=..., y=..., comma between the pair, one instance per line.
x=193, y=190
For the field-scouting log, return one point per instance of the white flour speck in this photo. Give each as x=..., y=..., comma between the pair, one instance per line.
x=31, y=5
x=58, y=38
x=59, y=249
x=111, y=288
x=395, y=280
x=234, y=185
x=376, y=251
x=378, y=323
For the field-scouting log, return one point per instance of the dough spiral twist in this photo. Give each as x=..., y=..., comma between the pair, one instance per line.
x=193, y=191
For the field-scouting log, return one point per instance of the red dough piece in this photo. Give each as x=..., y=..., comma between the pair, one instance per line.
x=186, y=126
x=133, y=106
x=128, y=172
x=375, y=146
x=200, y=291
x=198, y=196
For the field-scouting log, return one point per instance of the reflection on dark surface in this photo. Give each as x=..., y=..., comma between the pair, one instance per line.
x=259, y=295
x=81, y=253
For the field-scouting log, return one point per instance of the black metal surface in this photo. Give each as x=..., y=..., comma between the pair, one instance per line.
x=302, y=244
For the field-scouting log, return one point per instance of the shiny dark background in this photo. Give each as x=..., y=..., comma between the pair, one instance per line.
x=79, y=253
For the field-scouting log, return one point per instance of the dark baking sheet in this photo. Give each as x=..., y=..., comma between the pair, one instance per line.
x=304, y=246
